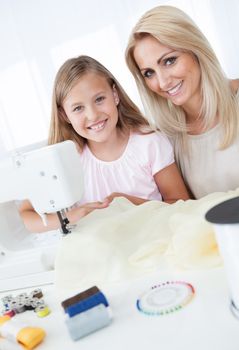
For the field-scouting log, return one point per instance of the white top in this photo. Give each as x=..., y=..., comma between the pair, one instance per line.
x=132, y=173
x=210, y=169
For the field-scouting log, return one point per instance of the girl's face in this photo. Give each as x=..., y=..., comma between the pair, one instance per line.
x=174, y=75
x=91, y=108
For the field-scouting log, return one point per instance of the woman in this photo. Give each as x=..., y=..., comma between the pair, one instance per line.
x=185, y=91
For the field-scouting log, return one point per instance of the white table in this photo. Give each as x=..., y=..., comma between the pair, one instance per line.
x=206, y=323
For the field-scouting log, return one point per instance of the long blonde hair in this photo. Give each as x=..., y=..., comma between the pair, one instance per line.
x=174, y=29
x=130, y=117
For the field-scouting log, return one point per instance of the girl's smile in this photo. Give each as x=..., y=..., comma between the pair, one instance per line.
x=98, y=126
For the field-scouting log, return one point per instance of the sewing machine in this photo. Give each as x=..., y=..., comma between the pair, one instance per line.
x=51, y=179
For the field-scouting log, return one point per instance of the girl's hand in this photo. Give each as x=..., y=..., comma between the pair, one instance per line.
x=77, y=213
x=132, y=199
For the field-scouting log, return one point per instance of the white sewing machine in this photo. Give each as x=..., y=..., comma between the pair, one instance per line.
x=51, y=179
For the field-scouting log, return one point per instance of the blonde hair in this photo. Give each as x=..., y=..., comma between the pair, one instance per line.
x=130, y=117
x=174, y=29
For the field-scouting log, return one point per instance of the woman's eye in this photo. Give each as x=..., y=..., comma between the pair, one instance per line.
x=169, y=61
x=148, y=73
x=99, y=99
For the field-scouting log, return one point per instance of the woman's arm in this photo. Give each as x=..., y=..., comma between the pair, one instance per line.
x=170, y=184
x=34, y=223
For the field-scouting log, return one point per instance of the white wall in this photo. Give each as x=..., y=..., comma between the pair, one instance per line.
x=37, y=36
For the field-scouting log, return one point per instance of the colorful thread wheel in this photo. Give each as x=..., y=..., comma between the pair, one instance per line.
x=165, y=298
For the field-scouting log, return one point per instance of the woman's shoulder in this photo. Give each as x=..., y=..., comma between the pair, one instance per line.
x=234, y=84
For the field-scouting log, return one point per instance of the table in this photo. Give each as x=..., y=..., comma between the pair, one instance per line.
x=205, y=323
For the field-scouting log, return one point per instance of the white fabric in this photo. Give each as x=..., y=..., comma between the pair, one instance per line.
x=124, y=241
x=132, y=173
x=210, y=169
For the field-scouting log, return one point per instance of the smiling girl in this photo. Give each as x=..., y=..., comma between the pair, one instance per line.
x=120, y=153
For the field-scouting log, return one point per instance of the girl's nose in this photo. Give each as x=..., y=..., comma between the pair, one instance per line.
x=91, y=114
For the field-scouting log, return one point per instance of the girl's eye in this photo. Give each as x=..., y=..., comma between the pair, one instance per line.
x=78, y=109
x=99, y=99
x=148, y=73
x=169, y=61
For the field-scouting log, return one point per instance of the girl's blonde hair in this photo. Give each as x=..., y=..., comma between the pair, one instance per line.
x=174, y=29
x=130, y=117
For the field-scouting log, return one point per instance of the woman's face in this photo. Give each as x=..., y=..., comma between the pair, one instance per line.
x=174, y=75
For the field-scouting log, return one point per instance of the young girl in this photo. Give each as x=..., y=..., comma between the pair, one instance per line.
x=121, y=154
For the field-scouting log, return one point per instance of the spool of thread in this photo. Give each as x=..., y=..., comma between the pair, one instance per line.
x=9, y=312
x=17, y=307
x=37, y=293
x=80, y=296
x=21, y=296
x=88, y=321
x=13, y=330
x=6, y=300
x=39, y=303
x=42, y=311
x=87, y=304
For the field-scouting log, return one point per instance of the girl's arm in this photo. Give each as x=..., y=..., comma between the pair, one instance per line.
x=33, y=221
x=171, y=184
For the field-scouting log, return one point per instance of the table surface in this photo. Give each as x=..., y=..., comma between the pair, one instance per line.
x=205, y=323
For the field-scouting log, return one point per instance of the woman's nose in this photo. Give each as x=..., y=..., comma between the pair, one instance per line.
x=163, y=80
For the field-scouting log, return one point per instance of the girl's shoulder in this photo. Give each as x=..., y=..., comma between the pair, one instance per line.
x=150, y=136
x=151, y=139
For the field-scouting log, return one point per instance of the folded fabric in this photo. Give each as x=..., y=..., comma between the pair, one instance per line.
x=125, y=241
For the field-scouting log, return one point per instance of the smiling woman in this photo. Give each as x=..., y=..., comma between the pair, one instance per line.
x=172, y=74
x=184, y=89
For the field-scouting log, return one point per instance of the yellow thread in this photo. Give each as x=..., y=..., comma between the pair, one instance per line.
x=42, y=312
